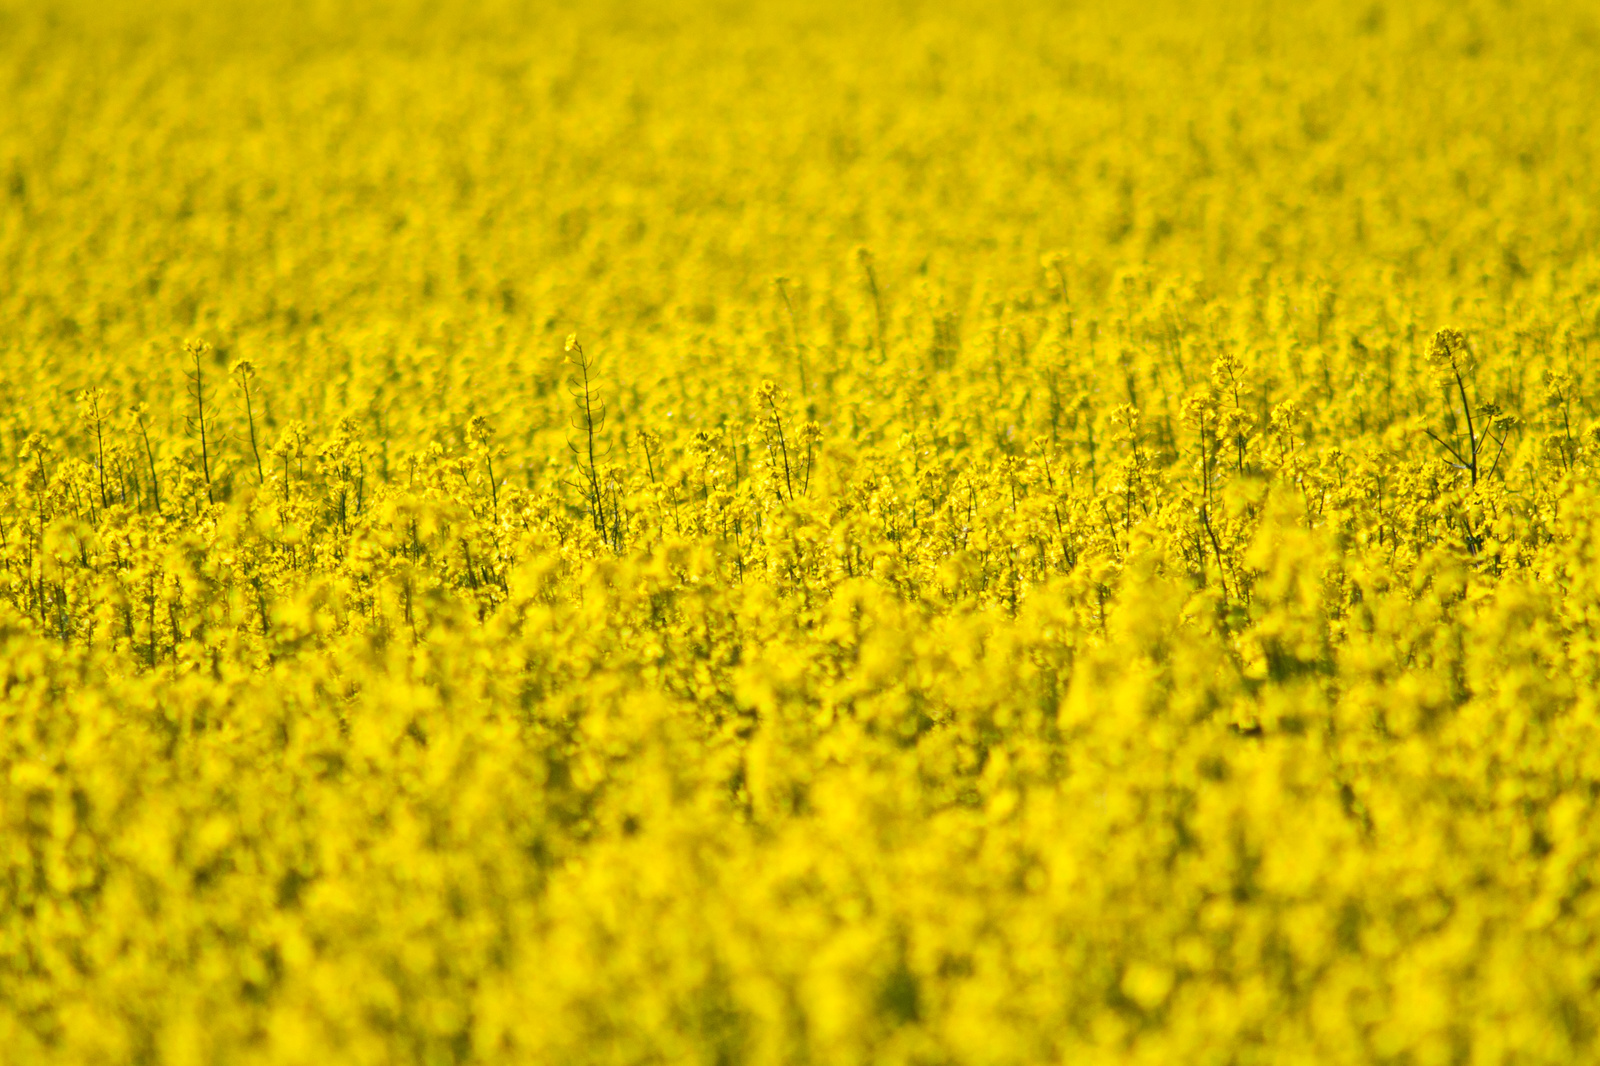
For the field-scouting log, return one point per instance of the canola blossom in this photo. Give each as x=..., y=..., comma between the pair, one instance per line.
x=799, y=532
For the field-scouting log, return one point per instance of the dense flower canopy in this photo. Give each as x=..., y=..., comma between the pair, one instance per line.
x=799, y=532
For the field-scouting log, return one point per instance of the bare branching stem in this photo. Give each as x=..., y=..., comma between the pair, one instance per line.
x=590, y=417
x=150, y=457
x=199, y=423
x=244, y=377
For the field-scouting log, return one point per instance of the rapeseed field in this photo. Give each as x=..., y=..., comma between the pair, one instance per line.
x=799, y=532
